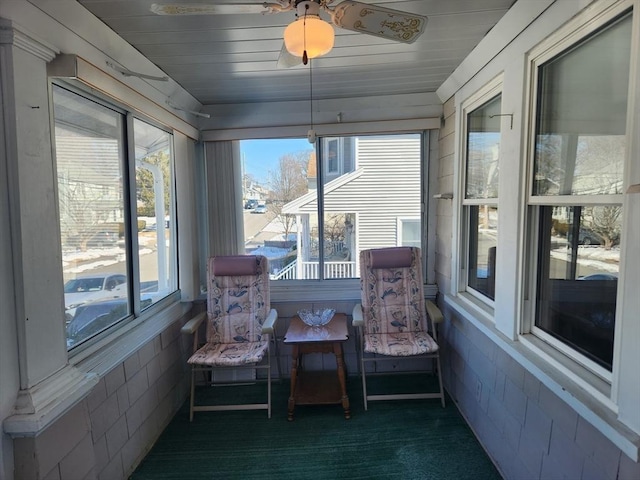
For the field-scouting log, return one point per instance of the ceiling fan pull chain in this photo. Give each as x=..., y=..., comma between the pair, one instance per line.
x=305, y=57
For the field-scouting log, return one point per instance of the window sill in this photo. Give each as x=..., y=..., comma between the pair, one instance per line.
x=569, y=384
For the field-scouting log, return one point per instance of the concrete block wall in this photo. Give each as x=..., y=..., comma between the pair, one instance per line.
x=106, y=435
x=527, y=430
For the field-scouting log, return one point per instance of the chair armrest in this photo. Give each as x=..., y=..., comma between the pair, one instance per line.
x=434, y=312
x=192, y=325
x=358, y=319
x=270, y=323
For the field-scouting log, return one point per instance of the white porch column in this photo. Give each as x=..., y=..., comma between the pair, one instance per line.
x=35, y=237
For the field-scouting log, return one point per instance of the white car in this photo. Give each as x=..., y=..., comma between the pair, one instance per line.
x=90, y=288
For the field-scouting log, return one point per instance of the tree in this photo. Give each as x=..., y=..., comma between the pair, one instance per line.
x=605, y=222
x=286, y=183
x=85, y=208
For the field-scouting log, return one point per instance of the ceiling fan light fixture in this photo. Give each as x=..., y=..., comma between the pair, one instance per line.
x=309, y=33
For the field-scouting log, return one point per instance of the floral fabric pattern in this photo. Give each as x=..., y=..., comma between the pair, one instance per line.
x=237, y=307
x=395, y=319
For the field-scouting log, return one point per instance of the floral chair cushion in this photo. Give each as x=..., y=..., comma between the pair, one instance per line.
x=395, y=321
x=237, y=307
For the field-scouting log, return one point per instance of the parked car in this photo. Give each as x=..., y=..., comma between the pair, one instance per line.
x=600, y=276
x=260, y=209
x=250, y=204
x=90, y=288
x=94, y=317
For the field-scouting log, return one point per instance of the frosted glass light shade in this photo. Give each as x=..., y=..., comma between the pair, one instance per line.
x=319, y=37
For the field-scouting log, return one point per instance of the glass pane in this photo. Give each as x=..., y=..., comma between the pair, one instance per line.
x=275, y=173
x=156, y=222
x=578, y=277
x=89, y=158
x=411, y=234
x=581, y=116
x=378, y=184
x=483, y=150
x=483, y=238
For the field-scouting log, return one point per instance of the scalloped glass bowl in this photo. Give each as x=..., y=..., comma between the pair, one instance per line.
x=316, y=318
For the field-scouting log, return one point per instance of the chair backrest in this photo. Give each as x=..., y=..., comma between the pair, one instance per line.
x=392, y=292
x=237, y=298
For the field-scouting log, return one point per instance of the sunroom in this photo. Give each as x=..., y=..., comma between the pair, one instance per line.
x=503, y=142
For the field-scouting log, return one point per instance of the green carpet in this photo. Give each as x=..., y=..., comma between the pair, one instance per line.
x=415, y=439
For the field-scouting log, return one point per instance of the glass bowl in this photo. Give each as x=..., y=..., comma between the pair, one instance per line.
x=316, y=318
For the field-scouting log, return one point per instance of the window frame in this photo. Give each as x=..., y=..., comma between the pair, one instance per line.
x=137, y=314
x=349, y=288
x=490, y=91
x=598, y=380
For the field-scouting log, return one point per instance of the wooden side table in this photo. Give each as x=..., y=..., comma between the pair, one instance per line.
x=317, y=388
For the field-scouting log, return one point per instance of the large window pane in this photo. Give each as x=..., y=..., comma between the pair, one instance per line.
x=377, y=185
x=369, y=184
x=578, y=277
x=483, y=150
x=89, y=157
x=156, y=223
x=275, y=173
x=580, y=150
x=483, y=237
x=481, y=183
x=582, y=110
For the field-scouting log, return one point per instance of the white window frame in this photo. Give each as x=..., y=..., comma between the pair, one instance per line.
x=593, y=378
x=488, y=92
x=137, y=315
x=349, y=289
x=401, y=221
x=339, y=146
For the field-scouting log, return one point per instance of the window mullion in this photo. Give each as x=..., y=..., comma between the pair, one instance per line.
x=131, y=212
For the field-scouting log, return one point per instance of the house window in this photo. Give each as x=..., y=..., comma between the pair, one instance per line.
x=410, y=234
x=104, y=282
x=480, y=203
x=315, y=225
x=332, y=155
x=576, y=192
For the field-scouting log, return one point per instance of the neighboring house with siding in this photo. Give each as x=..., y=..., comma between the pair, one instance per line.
x=371, y=199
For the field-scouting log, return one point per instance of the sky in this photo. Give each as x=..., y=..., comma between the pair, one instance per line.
x=261, y=156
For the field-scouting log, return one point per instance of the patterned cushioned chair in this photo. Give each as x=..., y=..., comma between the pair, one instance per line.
x=239, y=324
x=392, y=319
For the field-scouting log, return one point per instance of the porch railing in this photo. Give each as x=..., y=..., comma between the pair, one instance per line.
x=310, y=271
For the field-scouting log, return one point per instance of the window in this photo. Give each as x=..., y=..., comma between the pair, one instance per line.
x=410, y=232
x=332, y=155
x=104, y=282
x=480, y=203
x=315, y=227
x=576, y=201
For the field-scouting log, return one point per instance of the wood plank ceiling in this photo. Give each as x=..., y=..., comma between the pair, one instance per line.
x=222, y=59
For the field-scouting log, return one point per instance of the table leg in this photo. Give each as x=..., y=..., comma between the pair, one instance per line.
x=337, y=350
x=294, y=378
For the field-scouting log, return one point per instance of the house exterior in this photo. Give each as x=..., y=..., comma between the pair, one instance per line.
x=541, y=405
x=372, y=188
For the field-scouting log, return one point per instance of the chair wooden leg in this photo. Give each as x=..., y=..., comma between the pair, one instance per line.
x=277, y=355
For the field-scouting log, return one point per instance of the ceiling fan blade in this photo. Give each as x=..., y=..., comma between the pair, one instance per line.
x=380, y=21
x=286, y=59
x=220, y=8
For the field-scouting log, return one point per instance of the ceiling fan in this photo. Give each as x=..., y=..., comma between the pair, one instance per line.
x=359, y=17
